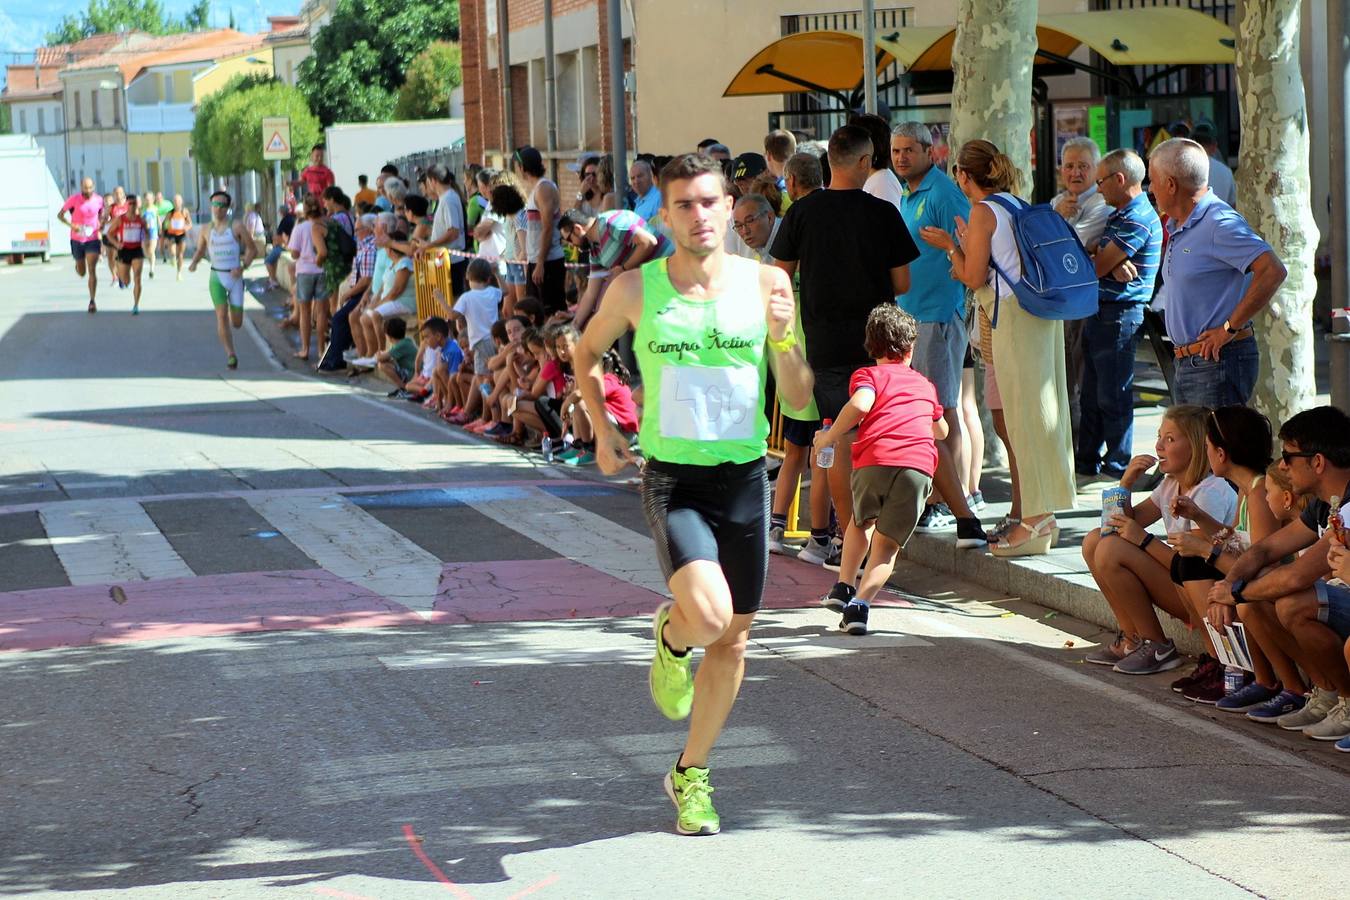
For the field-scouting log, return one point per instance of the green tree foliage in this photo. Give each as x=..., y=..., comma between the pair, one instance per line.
x=109, y=16
x=362, y=56
x=5, y=126
x=431, y=77
x=227, y=136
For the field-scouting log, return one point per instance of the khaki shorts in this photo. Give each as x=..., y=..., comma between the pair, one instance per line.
x=892, y=496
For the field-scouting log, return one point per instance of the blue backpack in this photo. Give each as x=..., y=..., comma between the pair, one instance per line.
x=1058, y=278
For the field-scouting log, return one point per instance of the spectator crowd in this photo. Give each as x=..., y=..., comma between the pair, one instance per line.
x=1248, y=519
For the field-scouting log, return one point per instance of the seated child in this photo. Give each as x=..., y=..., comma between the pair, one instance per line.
x=491, y=367
x=1132, y=567
x=397, y=363
x=435, y=333
x=446, y=393
x=899, y=420
x=619, y=408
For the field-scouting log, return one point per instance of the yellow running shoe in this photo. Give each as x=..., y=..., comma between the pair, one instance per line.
x=671, y=682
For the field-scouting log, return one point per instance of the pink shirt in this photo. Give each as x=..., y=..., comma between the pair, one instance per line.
x=303, y=240
x=84, y=212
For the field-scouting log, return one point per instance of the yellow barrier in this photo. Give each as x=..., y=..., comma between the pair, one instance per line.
x=778, y=450
x=431, y=272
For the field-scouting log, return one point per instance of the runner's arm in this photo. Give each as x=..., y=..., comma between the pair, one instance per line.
x=200, y=251
x=63, y=216
x=790, y=370
x=620, y=312
x=250, y=249
x=114, y=235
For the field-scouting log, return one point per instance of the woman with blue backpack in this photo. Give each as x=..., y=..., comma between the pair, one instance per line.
x=1028, y=274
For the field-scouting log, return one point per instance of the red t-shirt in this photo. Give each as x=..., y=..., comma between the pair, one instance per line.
x=317, y=179
x=898, y=430
x=552, y=372
x=619, y=403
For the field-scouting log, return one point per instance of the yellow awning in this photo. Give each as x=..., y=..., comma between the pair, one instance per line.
x=1153, y=35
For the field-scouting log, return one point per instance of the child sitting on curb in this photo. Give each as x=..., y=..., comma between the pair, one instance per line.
x=898, y=418
x=396, y=363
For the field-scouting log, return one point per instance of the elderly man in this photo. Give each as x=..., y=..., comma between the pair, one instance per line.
x=643, y=180
x=1218, y=274
x=349, y=296
x=1126, y=258
x=938, y=303
x=1082, y=206
x=1221, y=181
x=754, y=221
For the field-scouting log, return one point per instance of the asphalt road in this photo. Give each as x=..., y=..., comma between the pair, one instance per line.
x=264, y=635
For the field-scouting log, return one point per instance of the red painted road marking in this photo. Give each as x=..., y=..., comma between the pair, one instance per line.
x=539, y=886
x=416, y=844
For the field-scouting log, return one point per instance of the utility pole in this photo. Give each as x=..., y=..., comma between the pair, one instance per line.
x=550, y=92
x=504, y=75
x=1338, y=91
x=869, y=36
x=618, y=138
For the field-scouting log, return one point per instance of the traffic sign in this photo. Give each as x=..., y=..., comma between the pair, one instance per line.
x=276, y=132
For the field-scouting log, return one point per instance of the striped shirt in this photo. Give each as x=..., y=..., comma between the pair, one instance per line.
x=614, y=245
x=1135, y=229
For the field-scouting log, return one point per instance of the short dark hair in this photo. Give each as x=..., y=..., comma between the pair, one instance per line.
x=880, y=130
x=707, y=142
x=506, y=200
x=1243, y=433
x=396, y=328
x=388, y=169
x=850, y=142
x=437, y=325
x=531, y=309
x=416, y=204
x=480, y=270
x=691, y=165
x=1322, y=429
x=361, y=180
x=530, y=160
x=319, y=146
x=397, y=236
x=891, y=332
x=498, y=331
x=214, y=194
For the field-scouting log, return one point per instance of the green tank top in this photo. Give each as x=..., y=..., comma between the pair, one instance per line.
x=703, y=367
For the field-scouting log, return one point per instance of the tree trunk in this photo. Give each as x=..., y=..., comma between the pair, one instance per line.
x=1273, y=190
x=991, y=61
x=991, y=99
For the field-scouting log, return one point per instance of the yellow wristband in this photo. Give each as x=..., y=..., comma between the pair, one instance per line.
x=785, y=344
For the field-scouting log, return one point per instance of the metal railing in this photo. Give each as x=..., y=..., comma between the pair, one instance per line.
x=411, y=166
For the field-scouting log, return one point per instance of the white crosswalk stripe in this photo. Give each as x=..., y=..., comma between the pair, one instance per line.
x=105, y=541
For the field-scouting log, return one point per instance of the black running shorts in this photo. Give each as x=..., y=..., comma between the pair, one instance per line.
x=715, y=513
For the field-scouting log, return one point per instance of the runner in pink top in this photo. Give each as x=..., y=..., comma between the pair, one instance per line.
x=82, y=213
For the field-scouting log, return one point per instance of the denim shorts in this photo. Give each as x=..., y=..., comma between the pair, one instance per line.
x=311, y=287
x=1333, y=607
x=515, y=273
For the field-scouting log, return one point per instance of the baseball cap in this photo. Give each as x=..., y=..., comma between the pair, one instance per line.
x=581, y=162
x=1203, y=133
x=748, y=165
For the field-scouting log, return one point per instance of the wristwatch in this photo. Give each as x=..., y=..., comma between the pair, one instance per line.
x=1236, y=590
x=1228, y=326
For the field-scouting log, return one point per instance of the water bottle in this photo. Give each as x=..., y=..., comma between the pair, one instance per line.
x=546, y=447
x=825, y=455
x=1233, y=679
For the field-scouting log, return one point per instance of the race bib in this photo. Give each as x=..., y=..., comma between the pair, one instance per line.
x=131, y=233
x=709, y=403
x=86, y=231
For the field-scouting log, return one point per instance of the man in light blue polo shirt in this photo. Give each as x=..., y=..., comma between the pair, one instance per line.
x=935, y=300
x=1217, y=275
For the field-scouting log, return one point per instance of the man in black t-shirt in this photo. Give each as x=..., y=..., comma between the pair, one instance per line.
x=853, y=251
x=1298, y=607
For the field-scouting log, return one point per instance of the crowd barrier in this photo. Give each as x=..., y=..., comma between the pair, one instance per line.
x=431, y=272
x=778, y=450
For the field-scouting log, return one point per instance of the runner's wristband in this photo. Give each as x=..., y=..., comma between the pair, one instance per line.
x=786, y=344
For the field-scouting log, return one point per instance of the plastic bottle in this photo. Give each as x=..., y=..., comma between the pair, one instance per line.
x=825, y=455
x=546, y=447
x=1233, y=679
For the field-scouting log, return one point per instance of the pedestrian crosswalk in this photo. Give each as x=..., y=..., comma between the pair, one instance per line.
x=112, y=570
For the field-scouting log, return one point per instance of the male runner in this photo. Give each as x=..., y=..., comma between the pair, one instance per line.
x=81, y=214
x=226, y=241
x=706, y=324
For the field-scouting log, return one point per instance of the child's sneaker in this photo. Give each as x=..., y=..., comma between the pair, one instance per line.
x=839, y=596
x=855, y=618
x=969, y=534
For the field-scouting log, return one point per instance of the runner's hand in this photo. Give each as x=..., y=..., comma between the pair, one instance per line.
x=192, y=266
x=236, y=272
x=782, y=311
x=612, y=453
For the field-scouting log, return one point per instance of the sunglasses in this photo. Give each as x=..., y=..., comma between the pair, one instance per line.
x=219, y=204
x=1287, y=455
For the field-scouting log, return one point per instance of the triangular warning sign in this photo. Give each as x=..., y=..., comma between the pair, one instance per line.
x=276, y=144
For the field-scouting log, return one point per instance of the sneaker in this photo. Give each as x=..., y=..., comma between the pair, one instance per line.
x=835, y=561
x=1208, y=691
x=692, y=795
x=1204, y=668
x=498, y=430
x=670, y=681
x=231, y=362
x=1109, y=654
x=364, y=362
x=567, y=455
x=1335, y=726
x=1343, y=745
x=855, y=618
x=1317, y=703
x=1150, y=658
x=1282, y=704
x=976, y=502
x=815, y=552
x=350, y=355
x=585, y=458
x=776, y=539
x=1253, y=695
x=839, y=596
x=936, y=517
x=969, y=534
x=135, y=309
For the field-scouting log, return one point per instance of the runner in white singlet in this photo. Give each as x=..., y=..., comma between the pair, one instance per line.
x=226, y=242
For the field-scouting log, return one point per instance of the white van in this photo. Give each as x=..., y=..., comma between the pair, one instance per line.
x=28, y=224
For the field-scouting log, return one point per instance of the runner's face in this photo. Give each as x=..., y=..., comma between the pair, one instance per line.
x=120, y=196
x=910, y=158
x=87, y=187
x=219, y=209
x=696, y=211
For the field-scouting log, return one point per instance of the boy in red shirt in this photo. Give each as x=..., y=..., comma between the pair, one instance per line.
x=898, y=417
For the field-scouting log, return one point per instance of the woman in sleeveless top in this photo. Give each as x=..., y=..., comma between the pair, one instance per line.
x=546, y=273
x=1030, y=387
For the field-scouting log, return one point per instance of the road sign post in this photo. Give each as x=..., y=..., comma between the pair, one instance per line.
x=276, y=136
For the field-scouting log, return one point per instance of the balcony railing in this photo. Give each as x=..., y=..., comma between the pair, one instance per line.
x=159, y=117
